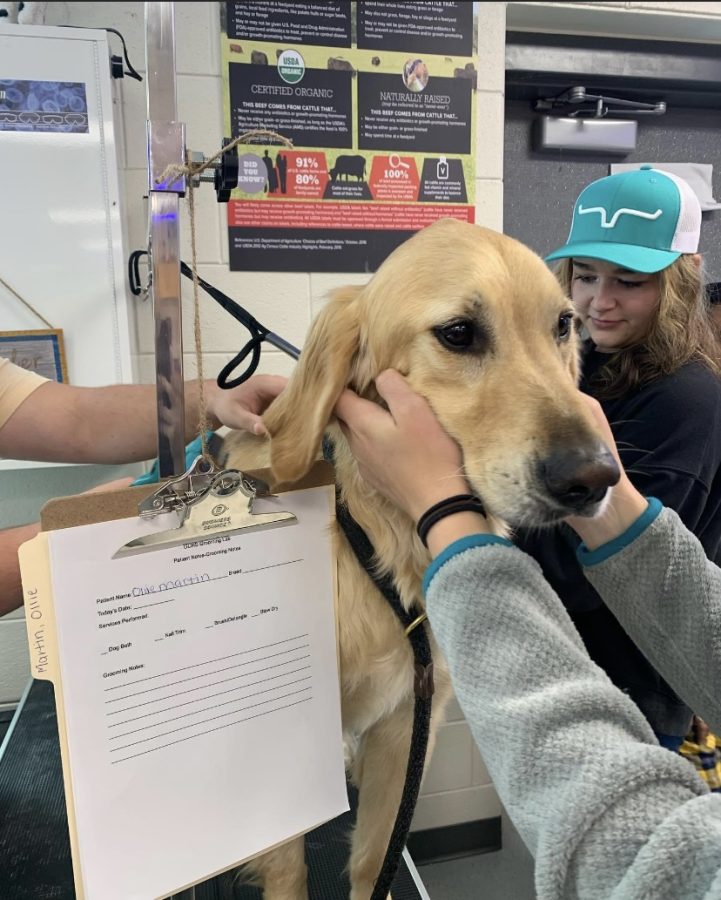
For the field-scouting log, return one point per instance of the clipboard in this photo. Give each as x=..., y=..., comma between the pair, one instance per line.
x=45, y=636
x=84, y=509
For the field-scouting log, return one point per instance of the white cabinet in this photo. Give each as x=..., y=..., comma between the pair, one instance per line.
x=60, y=227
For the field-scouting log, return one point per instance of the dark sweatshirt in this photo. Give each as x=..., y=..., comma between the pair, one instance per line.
x=669, y=439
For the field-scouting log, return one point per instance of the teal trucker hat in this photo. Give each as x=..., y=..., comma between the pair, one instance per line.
x=642, y=220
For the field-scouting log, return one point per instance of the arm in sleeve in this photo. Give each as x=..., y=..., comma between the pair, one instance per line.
x=16, y=385
x=119, y=423
x=574, y=761
x=667, y=595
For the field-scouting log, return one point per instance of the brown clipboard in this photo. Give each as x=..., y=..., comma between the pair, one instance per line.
x=107, y=506
x=88, y=509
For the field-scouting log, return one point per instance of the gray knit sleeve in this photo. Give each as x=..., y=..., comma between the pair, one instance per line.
x=571, y=756
x=667, y=596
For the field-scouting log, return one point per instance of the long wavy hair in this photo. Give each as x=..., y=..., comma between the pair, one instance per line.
x=681, y=330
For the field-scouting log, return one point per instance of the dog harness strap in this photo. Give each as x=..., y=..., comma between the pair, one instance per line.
x=412, y=622
x=365, y=553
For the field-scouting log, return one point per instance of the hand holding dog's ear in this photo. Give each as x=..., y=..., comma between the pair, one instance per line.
x=242, y=406
x=403, y=453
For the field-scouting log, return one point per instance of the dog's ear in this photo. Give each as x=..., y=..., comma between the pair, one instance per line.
x=297, y=419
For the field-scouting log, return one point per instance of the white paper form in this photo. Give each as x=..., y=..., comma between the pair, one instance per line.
x=201, y=695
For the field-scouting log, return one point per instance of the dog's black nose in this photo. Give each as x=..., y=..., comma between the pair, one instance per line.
x=576, y=478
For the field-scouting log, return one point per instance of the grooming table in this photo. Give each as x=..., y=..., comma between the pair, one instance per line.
x=34, y=845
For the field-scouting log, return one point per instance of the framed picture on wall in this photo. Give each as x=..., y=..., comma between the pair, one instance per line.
x=39, y=351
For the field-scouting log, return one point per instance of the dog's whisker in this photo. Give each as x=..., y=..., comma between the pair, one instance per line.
x=632, y=471
x=623, y=422
x=459, y=472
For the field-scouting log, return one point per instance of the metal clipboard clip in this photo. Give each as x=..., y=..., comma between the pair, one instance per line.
x=209, y=502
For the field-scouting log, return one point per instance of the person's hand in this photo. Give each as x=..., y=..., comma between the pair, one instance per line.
x=242, y=407
x=700, y=731
x=624, y=505
x=404, y=453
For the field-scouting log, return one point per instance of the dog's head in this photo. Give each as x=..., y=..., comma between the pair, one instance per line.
x=481, y=328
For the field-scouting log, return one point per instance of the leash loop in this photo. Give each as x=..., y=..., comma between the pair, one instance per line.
x=253, y=346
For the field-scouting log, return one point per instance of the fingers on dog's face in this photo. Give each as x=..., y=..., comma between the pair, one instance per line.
x=482, y=329
x=479, y=326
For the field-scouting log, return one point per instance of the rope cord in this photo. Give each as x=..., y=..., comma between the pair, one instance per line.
x=25, y=303
x=202, y=406
x=175, y=171
x=169, y=176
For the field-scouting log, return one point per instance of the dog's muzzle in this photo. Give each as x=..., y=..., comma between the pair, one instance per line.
x=577, y=478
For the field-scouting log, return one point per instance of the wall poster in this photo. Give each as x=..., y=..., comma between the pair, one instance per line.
x=379, y=102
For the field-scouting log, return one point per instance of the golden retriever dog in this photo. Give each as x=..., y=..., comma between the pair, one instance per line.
x=480, y=327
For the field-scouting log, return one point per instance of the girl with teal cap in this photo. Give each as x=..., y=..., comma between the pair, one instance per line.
x=632, y=269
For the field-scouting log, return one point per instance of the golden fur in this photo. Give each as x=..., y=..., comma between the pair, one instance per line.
x=510, y=402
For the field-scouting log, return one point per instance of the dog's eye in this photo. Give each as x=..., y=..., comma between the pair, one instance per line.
x=565, y=326
x=456, y=335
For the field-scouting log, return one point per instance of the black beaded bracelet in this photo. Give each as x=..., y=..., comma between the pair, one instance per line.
x=447, y=507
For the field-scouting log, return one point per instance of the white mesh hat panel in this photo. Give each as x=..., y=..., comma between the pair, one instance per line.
x=688, y=228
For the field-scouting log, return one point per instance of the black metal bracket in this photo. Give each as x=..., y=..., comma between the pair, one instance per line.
x=576, y=102
x=226, y=174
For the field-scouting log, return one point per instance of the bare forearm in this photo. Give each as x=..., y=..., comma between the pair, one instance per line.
x=11, y=591
x=623, y=508
x=107, y=425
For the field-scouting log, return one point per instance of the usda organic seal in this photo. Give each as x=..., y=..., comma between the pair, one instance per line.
x=291, y=66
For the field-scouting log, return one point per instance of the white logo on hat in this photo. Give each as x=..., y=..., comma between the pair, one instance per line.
x=617, y=214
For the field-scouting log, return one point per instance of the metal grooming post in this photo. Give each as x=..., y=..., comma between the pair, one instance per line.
x=166, y=146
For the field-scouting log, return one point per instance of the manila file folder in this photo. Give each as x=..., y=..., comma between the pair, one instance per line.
x=196, y=685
